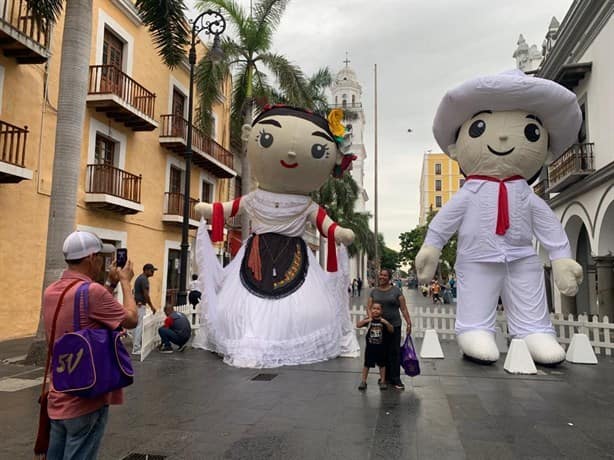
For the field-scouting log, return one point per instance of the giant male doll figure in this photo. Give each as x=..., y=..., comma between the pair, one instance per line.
x=501, y=129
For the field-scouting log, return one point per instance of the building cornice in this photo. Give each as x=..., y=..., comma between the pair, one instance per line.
x=602, y=176
x=128, y=8
x=581, y=25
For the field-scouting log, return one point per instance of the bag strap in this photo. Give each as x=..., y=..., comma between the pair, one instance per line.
x=81, y=303
x=52, y=336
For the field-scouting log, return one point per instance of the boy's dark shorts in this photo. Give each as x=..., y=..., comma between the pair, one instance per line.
x=375, y=357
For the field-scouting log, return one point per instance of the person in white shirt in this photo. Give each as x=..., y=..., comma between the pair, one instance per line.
x=500, y=129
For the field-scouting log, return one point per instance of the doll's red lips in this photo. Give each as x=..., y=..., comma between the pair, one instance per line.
x=288, y=165
x=500, y=153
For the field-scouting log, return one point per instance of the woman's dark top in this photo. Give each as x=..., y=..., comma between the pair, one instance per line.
x=389, y=301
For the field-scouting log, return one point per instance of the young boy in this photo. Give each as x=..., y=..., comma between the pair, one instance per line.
x=375, y=353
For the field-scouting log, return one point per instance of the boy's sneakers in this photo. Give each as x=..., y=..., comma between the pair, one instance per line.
x=382, y=385
x=167, y=349
x=362, y=386
x=399, y=386
x=183, y=348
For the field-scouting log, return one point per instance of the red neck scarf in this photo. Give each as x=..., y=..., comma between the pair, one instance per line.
x=503, y=212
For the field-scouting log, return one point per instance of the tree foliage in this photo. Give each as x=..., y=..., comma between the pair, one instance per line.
x=248, y=57
x=338, y=196
x=412, y=241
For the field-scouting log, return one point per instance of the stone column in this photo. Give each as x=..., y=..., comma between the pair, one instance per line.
x=605, y=285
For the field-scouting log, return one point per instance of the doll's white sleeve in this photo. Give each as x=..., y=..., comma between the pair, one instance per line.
x=548, y=230
x=447, y=220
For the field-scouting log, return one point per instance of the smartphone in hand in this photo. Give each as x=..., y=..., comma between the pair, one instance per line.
x=121, y=257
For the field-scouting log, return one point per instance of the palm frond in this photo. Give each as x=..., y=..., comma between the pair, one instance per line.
x=268, y=14
x=236, y=16
x=45, y=10
x=289, y=77
x=210, y=80
x=168, y=27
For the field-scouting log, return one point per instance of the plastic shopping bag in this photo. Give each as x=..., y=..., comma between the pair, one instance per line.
x=409, y=358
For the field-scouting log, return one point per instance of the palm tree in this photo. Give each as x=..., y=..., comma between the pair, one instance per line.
x=167, y=24
x=338, y=197
x=248, y=56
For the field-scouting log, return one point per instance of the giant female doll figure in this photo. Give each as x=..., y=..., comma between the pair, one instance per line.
x=273, y=305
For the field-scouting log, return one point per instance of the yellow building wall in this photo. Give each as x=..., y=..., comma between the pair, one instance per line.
x=24, y=217
x=450, y=181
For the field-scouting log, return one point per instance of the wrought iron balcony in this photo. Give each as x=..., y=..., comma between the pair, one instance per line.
x=13, y=153
x=569, y=168
x=121, y=98
x=541, y=189
x=349, y=106
x=207, y=153
x=173, y=209
x=113, y=189
x=21, y=36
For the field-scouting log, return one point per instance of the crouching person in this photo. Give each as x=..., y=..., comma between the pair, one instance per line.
x=177, y=329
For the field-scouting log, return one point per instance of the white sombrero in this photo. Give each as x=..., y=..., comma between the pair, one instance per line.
x=556, y=106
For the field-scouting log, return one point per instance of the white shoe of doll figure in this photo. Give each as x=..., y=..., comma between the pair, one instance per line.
x=479, y=345
x=545, y=349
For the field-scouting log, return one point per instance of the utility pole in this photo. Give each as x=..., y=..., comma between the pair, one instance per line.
x=375, y=206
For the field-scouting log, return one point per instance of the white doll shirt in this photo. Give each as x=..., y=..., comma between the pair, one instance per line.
x=473, y=212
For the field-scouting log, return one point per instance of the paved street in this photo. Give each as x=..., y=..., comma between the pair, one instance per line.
x=192, y=406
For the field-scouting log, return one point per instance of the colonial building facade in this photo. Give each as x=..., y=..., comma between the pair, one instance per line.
x=439, y=180
x=130, y=189
x=579, y=185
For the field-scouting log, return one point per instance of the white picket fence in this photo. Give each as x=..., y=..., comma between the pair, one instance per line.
x=151, y=324
x=443, y=318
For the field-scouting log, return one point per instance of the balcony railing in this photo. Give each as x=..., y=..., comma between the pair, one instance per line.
x=573, y=165
x=174, y=205
x=22, y=36
x=103, y=178
x=13, y=144
x=175, y=126
x=541, y=189
x=349, y=105
x=108, y=80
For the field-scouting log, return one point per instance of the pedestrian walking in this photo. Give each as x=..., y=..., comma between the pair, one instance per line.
x=176, y=329
x=393, y=302
x=195, y=294
x=359, y=285
x=78, y=424
x=435, y=290
x=141, y=295
x=375, y=351
x=354, y=287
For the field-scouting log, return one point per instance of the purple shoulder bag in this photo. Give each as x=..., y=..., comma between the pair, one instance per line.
x=89, y=362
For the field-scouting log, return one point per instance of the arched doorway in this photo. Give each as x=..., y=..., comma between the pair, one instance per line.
x=585, y=299
x=604, y=261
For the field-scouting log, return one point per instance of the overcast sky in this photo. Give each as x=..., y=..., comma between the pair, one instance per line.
x=422, y=48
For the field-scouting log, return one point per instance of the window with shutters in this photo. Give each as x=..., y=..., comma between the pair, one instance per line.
x=438, y=201
x=438, y=185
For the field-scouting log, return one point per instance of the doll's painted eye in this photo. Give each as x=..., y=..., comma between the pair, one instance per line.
x=477, y=128
x=318, y=150
x=265, y=139
x=532, y=132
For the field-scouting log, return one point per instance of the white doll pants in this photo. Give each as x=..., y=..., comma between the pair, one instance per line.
x=519, y=283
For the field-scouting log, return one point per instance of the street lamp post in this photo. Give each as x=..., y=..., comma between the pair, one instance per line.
x=213, y=23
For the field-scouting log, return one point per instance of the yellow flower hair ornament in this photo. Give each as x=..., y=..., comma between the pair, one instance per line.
x=334, y=123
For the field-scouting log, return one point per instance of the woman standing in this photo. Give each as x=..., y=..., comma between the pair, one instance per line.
x=392, y=300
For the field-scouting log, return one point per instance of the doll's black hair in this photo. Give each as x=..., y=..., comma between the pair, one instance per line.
x=286, y=110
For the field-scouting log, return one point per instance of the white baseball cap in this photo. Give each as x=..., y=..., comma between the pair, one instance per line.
x=80, y=244
x=555, y=105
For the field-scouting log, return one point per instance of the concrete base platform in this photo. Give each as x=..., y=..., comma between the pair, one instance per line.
x=192, y=406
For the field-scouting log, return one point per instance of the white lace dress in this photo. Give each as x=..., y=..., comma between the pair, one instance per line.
x=311, y=324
